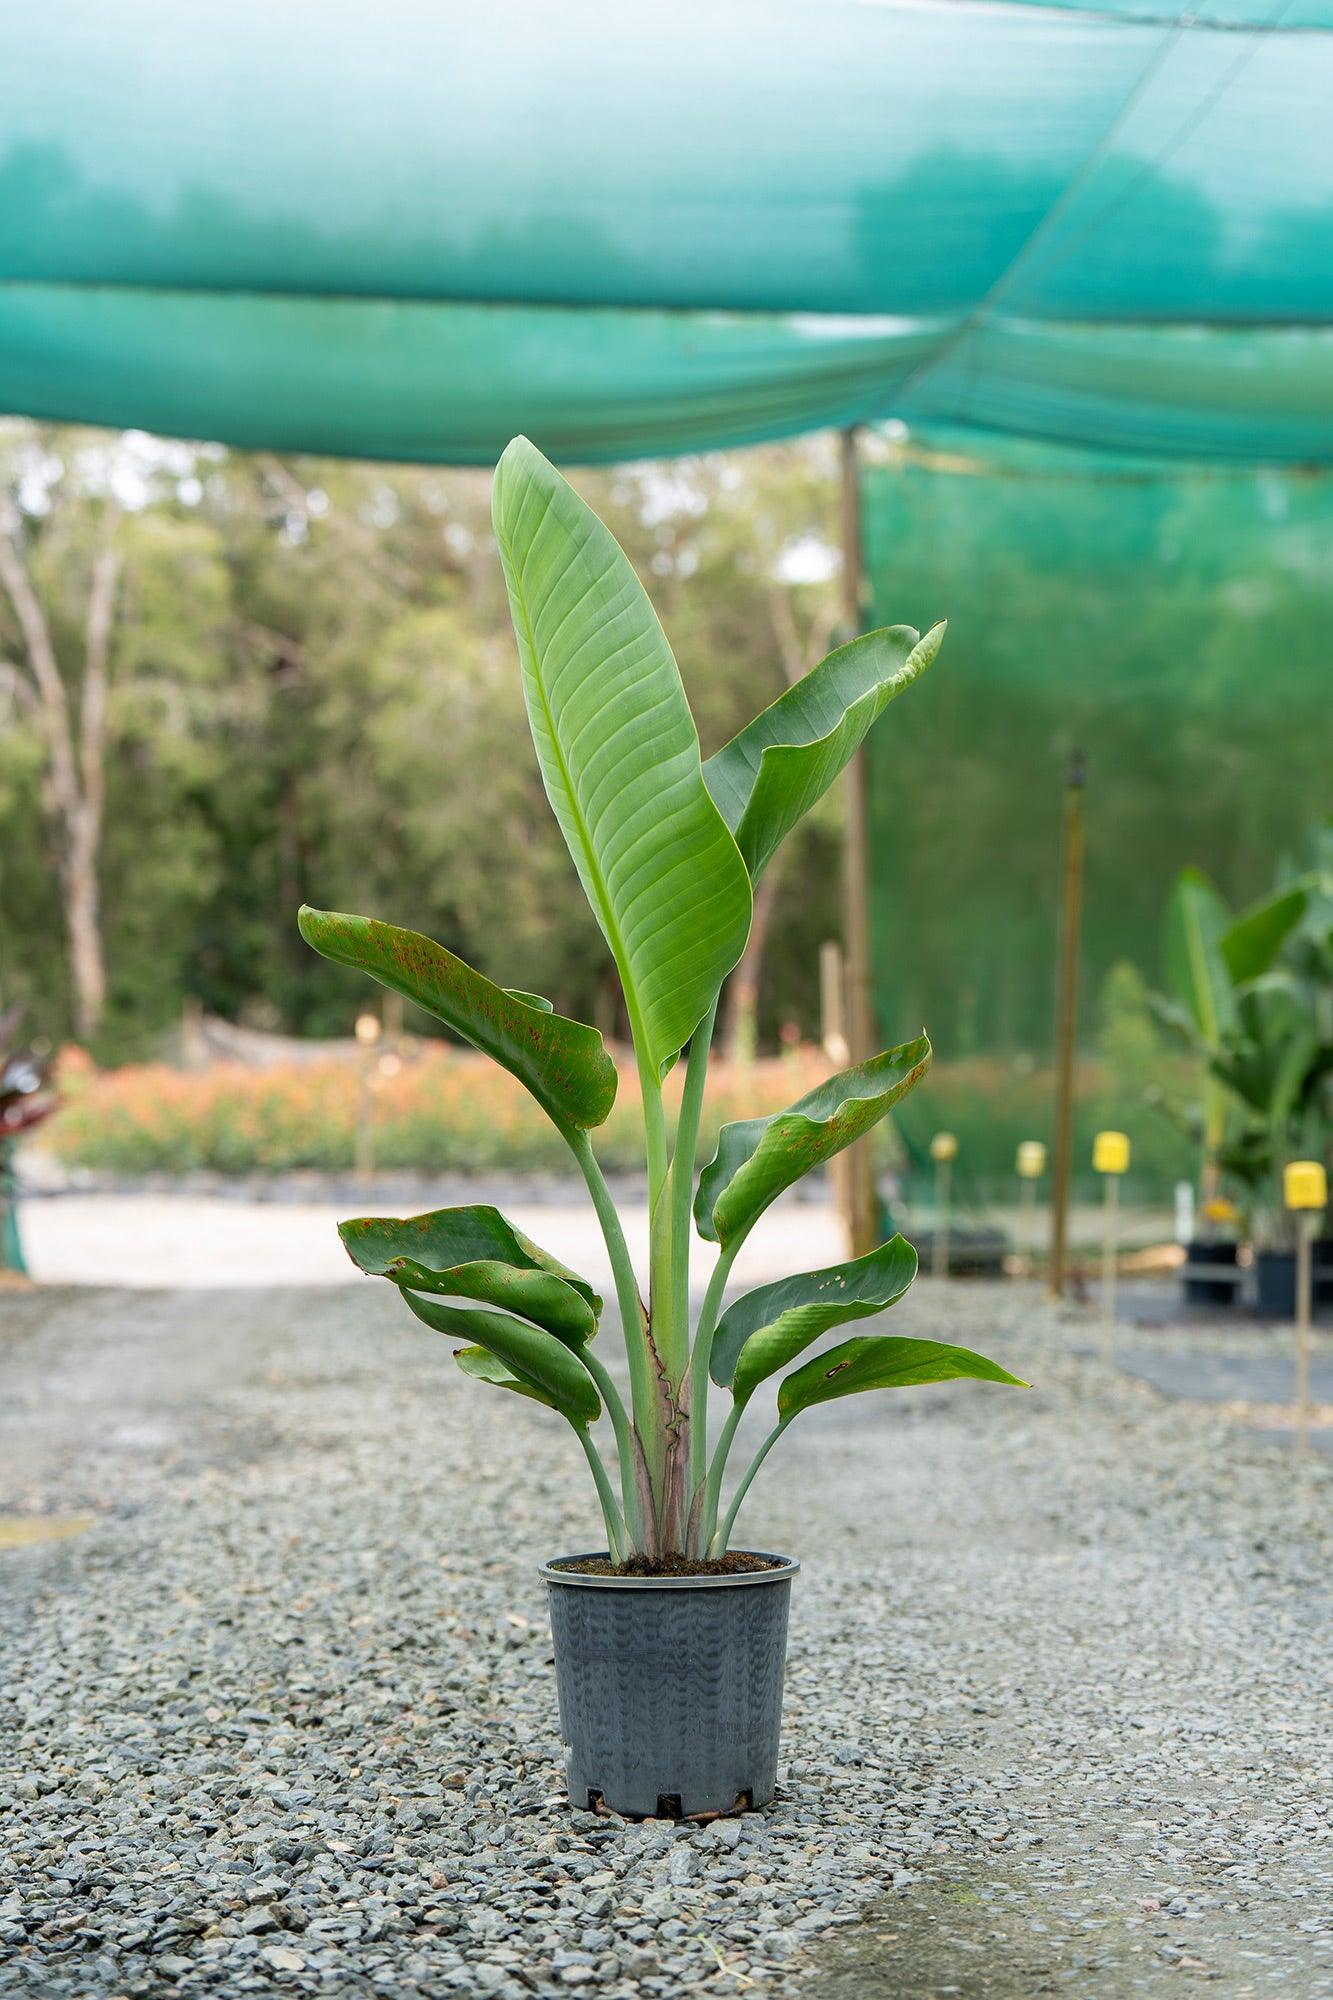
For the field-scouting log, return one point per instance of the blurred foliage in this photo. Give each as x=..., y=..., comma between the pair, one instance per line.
x=448, y=1111
x=314, y=696
x=440, y=1111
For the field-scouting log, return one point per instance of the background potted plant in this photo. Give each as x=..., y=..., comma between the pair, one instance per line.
x=1249, y=1023
x=669, y=1642
x=1276, y=1063
x=26, y=1099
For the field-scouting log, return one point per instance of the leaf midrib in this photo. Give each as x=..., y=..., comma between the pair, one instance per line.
x=615, y=937
x=1198, y=955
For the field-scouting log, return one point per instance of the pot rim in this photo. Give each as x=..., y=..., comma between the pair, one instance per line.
x=786, y=1568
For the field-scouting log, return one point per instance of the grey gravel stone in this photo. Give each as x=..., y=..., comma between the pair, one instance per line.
x=284, y=1720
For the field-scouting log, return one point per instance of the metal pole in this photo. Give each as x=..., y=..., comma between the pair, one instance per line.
x=1071, y=905
x=862, y=1216
x=1305, y=1228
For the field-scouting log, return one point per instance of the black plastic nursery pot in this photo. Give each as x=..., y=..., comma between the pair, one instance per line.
x=1323, y=1270
x=670, y=1688
x=1275, y=1283
x=1210, y=1291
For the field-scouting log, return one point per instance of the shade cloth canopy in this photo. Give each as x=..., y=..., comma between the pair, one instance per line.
x=409, y=230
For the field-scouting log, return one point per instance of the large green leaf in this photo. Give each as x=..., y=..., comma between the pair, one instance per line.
x=758, y=1158
x=481, y=1366
x=878, y=1361
x=1252, y=943
x=533, y=1295
x=771, y=774
x=563, y=1063
x=1271, y=1060
x=767, y=1328
x=619, y=755
x=533, y=1356
x=448, y=1237
x=1197, y=919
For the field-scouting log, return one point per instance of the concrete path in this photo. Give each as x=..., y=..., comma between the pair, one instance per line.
x=193, y=1241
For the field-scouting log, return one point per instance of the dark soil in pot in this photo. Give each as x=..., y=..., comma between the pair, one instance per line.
x=1323, y=1269
x=670, y=1687
x=734, y=1563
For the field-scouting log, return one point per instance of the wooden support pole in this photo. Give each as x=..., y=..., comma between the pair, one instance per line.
x=1070, y=915
x=862, y=1217
x=1305, y=1229
x=1110, y=1258
x=369, y=1029
x=939, y=1262
x=833, y=1040
x=1027, y=1246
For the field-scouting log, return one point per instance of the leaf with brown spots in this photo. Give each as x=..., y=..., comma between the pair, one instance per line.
x=767, y=1328
x=758, y=1158
x=445, y=1238
x=563, y=1063
x=533, y=1356
x=877, y=1361
x=481, y=1366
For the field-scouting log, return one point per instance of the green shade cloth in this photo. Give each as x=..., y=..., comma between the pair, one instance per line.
x=413, y=228
x=1173, y=624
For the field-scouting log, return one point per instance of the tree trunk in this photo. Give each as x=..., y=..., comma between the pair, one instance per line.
x=74, y=787
x=83, y=902
x=739, y=1020
x=83, y=929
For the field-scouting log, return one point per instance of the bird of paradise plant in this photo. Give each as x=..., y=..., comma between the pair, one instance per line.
x=668, y=849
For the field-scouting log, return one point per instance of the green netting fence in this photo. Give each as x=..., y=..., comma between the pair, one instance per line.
x=1176, y=628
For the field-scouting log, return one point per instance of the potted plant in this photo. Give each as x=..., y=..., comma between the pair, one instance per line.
x=669, y=1642
x=1278, y=1068
x=26, y=1098
x=1213, y=962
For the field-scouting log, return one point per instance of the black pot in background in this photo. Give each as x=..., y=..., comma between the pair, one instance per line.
x=1323, y=1270
x=1275, y=1272
x=1209, y=1291
x=670, y=1687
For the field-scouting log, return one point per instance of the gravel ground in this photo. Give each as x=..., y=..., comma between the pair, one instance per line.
x=282, y=1720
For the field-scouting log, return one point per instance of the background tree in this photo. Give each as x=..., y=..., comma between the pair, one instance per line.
x=301, y=676
x=105, y=613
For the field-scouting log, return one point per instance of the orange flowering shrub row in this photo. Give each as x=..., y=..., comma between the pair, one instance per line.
x=439, y=1110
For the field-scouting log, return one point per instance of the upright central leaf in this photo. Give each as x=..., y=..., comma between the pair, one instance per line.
x=619, y=756
x=771, y=774
x=758, y=1158
x=1197, y=920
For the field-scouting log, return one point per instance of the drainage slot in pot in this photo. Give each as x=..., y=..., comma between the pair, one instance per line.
x=668, y=1805
x=596, y=1802
x=744, y=1802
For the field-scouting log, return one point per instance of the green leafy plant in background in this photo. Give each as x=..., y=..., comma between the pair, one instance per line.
x=668, y=850
x=27, y=1099
x=1252, y=995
